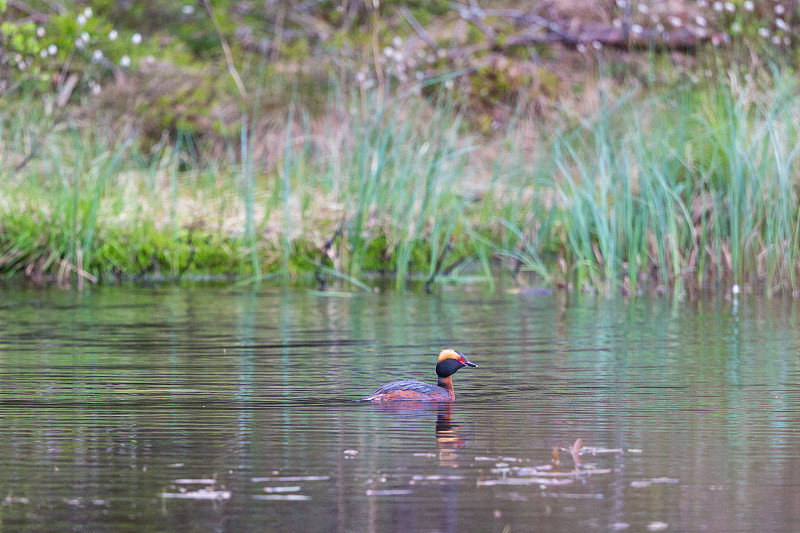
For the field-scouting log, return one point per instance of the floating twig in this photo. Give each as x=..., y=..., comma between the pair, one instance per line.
x=67, y=267
x=576, y=452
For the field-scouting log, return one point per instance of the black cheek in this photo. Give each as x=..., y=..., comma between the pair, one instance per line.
x=448, y=367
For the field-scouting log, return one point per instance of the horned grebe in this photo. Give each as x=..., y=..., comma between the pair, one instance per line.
x=449, y=362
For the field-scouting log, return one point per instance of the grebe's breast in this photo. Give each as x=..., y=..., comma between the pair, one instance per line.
x=408, y=389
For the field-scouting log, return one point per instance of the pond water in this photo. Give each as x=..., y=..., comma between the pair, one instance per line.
x=207, y=409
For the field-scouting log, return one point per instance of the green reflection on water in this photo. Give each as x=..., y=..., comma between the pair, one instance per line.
x=107, y=398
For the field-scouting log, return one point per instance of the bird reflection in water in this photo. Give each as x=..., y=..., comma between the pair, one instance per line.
x=449, y=437
x=451, y=441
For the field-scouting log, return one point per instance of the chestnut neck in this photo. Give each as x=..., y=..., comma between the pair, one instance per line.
x=447, y=384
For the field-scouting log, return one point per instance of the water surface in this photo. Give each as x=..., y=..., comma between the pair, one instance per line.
x=206, y=409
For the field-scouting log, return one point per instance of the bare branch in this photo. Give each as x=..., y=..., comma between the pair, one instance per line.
x=226, y=49
x=424, y=35
x=590, y=33
x=33, y=14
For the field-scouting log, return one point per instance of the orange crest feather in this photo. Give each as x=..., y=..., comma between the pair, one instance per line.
x=449, y=353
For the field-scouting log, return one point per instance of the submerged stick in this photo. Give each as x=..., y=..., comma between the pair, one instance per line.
x=446, y=250
x=326, y=248
x=189, y=260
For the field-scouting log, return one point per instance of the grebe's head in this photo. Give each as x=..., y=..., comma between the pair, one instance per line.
x=450, y=361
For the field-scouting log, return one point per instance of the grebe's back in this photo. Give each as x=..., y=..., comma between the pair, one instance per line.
x=449, y=362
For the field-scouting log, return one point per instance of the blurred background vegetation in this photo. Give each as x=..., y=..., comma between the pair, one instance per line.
x=618, y=146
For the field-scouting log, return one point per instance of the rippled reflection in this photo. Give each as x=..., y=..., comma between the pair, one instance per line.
x=207, y=409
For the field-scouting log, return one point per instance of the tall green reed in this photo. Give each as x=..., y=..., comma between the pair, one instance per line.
x=693, y=186
x=393, y=178
x=682, y=186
